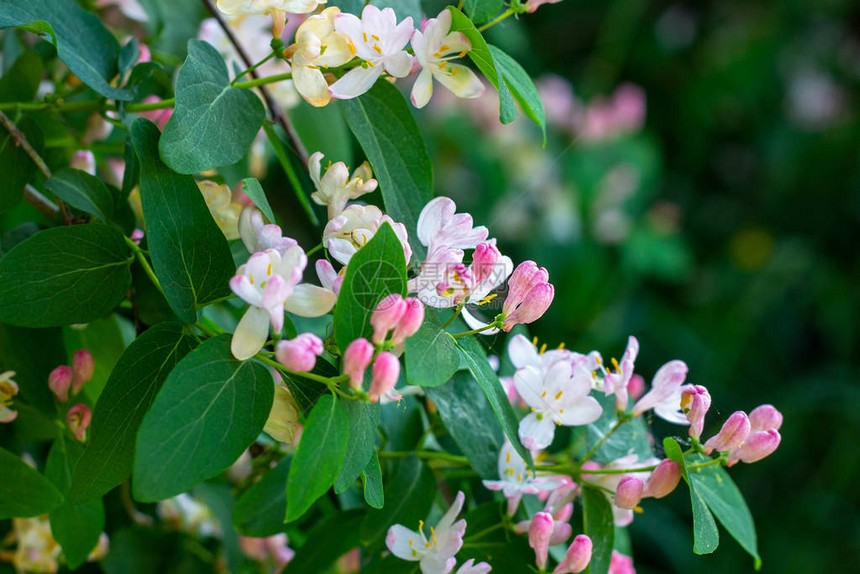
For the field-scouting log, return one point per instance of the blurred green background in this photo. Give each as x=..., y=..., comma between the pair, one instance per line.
x=724, y=233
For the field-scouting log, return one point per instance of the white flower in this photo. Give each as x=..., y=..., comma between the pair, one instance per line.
x=8, y=389
x=344, y=235
x=319, y=46
x=558, y=397
x=379, y=41
x=277, y=9
x=665, y=394
x=515, y=479
x=335, y=188
x=436, y=554
x=433, y=48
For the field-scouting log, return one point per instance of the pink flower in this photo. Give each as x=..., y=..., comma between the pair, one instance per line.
x=386, y=316
x=84, y=160
x=732, y=434
x=529, y=295
x=540, y=532
x=621, y=564
x=617, y=382
x=410, y=322
x=435, y=554
x=299, y=354
x=665, y=394
x=533, y=5
x=78, y=419
x=763, y=438
x=83, y=367
x=628, y=493
x=158, y=116
x=386, y=372
x=356, y=358
x=663, y=480
x=695, y=402
x=577, y=557
x=60, y=381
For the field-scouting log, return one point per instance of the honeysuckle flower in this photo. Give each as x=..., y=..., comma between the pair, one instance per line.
x=186, y=513
x=329, y=278
x=36, y=549
x=380, y=41
x=621, y=564
x=386, y=371
x=663, y=479
x=299, y=354
x=356, y=358
x=628, y=493
x=318, y=45
x=610, y=482
x=60, y=382
x=273, y=551
x=410, y=322
x=616, y=382
x=435, y=46
x=469, y=567
x=225, y=212
x=763, y=437
x=529, y=295
x=523, y=352
x=269, y=283
x=131, y=9
x=732, y=434
x=335, y=188
x=695, y=402
x=277, y=9
x=439, y=225
x=283, y=422
x=83, y=368
x=577, y=557
x=560, y=396
x=561, y=528
x=78, y=420
x=516, y=479
x=257, y=236
x=344, y=235
x=84, y=160
x=533, y=5
x=386, y=316
x=489, y=270
x=436, y=554
x=8, y=389
x=540, y=532
x=665, y=394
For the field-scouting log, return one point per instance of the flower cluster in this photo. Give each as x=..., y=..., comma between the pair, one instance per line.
x=66, y=381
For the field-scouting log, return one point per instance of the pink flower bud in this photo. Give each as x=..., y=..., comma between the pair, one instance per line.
x=136, y=236
x=577, y=557
x=144, y=55
x=60, y=381
x=83, y=367
x=299, y=354
x=731, y=435
x=386, y=371
x=386, y=316
x=663, y=480
x=356, y=358
x=410, y=322
x=484, y=260
x=757, y=446
x=533, y=307
x=540, y=531
x=636, y=387
x=84, y=160
x=765, y=417
x=78, y=419
x=621, y=564
x=628, y=493
x=695, y=402
x=525, y=277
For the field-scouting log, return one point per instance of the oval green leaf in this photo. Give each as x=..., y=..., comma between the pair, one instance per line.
x=431, y=355
x=24, y=492
x=599, y=526
x=82, y=191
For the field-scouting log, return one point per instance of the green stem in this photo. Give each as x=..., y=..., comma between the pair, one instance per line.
x=497, y=19
x=475, y=331
x=281, y=154
x=211, y=326
x=427, y=455
x=263, y=81
x=704, y=464
x=456, y=314
x=484, y=532
x=314, y=249
x=602, y=440
x=147, y=268
x=252, y=68
x=460, y=5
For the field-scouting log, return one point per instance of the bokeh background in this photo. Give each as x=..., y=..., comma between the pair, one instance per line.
x=714, y=215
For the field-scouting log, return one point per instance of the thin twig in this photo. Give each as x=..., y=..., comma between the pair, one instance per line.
x=35, y=198
x=274, y=109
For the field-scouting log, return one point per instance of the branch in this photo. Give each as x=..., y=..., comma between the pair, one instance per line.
x=275, y=111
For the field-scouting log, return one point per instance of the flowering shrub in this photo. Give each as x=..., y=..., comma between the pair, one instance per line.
x=344, y=386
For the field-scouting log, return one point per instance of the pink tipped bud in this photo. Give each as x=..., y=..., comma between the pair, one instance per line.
x=299, y=354
x=386, y=316
x=136, y=236
x=411, y=321
x=765, y=417
x=757, y=446
x=663, y=480
x=535, y=304
x=695, y=402
x=144, y=55
x=540, y=532
x=386, y=371
x=621, y=564
x=84, y=160
x=628, y=493
x=636, y=387
x=78, y=419
x=577, y=557
x=484, y=261
x=525, y=277
x=60, y=381
x=356, y=358
x=733, y=433
x=83, y=367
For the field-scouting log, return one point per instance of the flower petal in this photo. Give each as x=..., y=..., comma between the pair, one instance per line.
x=422, y=89
x=460, y=80
x=404, y=543
x=310, y=301
x=250, y=334
x=355, y=82
x=536, y=433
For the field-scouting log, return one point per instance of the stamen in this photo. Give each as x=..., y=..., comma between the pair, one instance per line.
x=351, y=49
x=463, y=53
x=269, y=270
x=543, y=394
x=377, y=48
x=508, y=457
x=369, y=63
x=534, y=341
x=433, y=536
x=487, y=299
x=455, y=71
x=375, y=37
x=615, y=365
x=599, y=361
x=542, y=349
x=561, y=411
x=558, y=395
x=251, y=276
x=519, y=477
x=444, y=48
x=364, y=34
x=420, y=525
x=560, y=346
x=442, y=65
x=437, y=55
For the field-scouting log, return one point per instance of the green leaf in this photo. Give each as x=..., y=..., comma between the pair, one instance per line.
x=326, y=542
x=209, y=410
x=18, y=168
x=482, y=57
x=431, y=354
x=471, y=422
x=64, y=275
x=319, y=457
x=24, y=492
x=403, y=9
x=32, y=354
x=304, y=391
x=479, y=366
x=254, y=191
x=631, y=438
x=324, y=129
x=75, y=527
x=21, y=82
x=376, y=270
x=128, y=56
x=410, y=496
x=106, y=340
x=481, y=11
x=363, y=420
x=213, y=123
x=723, y=498
x=371, y=481
x=189, y=252
x=384, y=126
x=706, y=537
x=128, y=394
x=599, y=526
x=82, y=191
x=260, y=511
x=521, y=86
x=83, y=43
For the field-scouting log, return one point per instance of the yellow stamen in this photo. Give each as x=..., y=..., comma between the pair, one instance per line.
x=534, y=409
x=638, y=509
x=442, y=65
x=508, y=457
x=444, y=48
x=433, y=536
x=269, y=270
x=351, y=49
x=251, y=276
x=558, y=395
x=371, y=64
x=558, y=423
x=543, y=394
x=599, y=361
x=463, y=53
x=487, y=299
x=377, y=48
x=455, y=71
x=364, y=34
x=420, y=525
x=561, y=411
x=534, y=342
x=437, y=55
x=375, y=37
x=519, y=477
x=542, y=349
x=615, y=365
x=560, y=346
